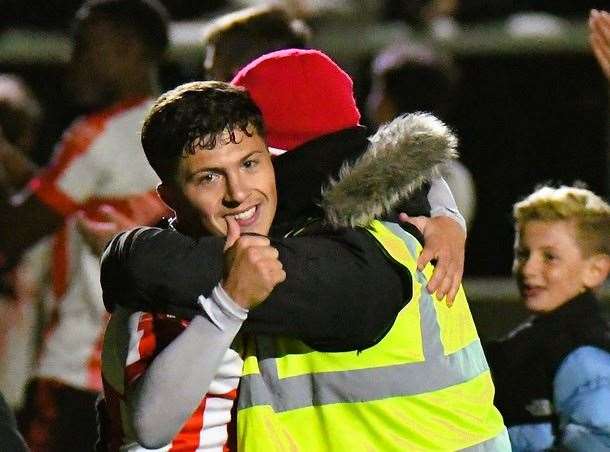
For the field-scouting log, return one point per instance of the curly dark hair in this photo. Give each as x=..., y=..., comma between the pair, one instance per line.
x=194, y=116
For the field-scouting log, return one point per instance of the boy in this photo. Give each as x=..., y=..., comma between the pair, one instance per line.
x=552, y=373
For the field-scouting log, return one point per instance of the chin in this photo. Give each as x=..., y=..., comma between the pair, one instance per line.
x=536, y=305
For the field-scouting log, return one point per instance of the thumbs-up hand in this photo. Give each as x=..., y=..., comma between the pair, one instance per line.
x=251, y=267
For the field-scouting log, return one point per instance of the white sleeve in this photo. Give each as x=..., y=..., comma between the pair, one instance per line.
x=442, y=202
x=158, y=407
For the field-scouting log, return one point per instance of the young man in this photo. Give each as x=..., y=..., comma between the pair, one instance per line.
x=98, y=161
x=316, y=282
x=206, y=142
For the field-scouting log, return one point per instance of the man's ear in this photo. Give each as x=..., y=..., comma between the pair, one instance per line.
x=168, y=195
x=598, y=268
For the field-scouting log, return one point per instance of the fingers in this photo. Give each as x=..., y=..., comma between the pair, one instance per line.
x=446, y=278
x=90, y=226
x=599, y=23
x=120, y=220
x=455, y=285
x=444, y=242
x=602, y=53
x=447, y=281
x=425, y=257
x=233, y=232
x=260, y=251
x=438, y=276
x=95, y=233
x=599, y=27
x=419, y=222
x=273, y=271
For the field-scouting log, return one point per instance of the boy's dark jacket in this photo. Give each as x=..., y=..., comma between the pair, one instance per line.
x=337, y=277
x=524, y=364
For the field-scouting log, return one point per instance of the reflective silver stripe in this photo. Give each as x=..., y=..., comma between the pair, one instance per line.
x=359, y=385
x=499, y=443
x=409, y=240
x=431, y=331
x=436, y=372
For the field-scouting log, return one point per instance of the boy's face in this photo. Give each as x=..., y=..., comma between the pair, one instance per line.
x=229, y=180
x=549, y=264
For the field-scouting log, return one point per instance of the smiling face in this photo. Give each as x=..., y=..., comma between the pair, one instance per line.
x=232, y=179
x=549, y=264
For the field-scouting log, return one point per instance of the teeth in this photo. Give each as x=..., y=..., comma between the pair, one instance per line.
x=246, y=215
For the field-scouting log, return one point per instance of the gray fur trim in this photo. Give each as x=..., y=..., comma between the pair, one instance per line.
x=401, y=156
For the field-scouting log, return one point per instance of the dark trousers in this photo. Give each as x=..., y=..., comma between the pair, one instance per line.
x=58, y=418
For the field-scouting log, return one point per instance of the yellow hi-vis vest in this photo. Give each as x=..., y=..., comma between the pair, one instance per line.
x=425, y=386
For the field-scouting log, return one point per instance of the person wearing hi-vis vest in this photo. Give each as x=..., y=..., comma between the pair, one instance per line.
x=422, y=384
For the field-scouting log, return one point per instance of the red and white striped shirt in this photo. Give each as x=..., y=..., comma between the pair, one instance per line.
x=98, y=161
x=131, y=343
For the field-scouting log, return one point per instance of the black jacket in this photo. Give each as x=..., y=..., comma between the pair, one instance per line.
x=524, y=364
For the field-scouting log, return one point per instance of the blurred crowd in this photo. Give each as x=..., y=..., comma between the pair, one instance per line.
x=60, y=205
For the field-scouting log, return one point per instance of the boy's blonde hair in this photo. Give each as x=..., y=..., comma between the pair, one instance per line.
x=590, y=213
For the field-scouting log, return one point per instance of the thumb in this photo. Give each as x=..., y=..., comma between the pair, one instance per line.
x=418, y=222
x=233, y=232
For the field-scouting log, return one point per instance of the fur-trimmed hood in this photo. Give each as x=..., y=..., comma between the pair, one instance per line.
x=401, y=156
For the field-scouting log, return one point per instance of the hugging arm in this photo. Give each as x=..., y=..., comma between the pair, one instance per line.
x=333, y=282
x=155, y=408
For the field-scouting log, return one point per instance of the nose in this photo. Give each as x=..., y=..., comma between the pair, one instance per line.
x=529, y=266
x=236, y=191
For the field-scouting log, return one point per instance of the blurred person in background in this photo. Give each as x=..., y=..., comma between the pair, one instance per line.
x=552, y=373
x=407, y=78
x=233, y=40
x=117, y=47
x=20, y=118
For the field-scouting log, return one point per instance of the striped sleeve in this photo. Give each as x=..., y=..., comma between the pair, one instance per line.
x=57, y=186
x=149, y=335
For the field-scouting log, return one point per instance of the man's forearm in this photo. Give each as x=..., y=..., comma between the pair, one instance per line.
x=157, y=410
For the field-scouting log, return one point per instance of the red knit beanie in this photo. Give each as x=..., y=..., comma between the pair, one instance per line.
x=302, y=94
